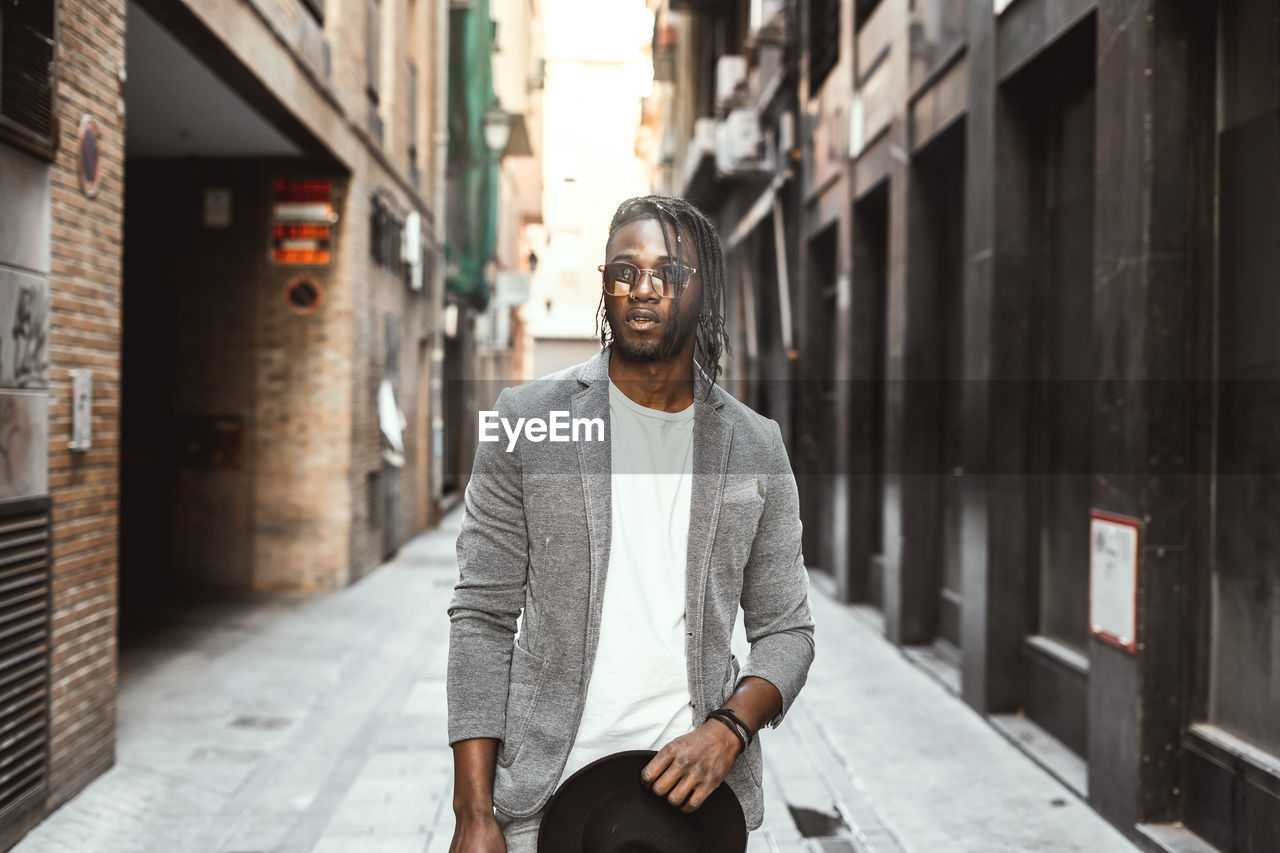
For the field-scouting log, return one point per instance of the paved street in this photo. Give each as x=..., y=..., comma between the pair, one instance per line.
x=318, y=724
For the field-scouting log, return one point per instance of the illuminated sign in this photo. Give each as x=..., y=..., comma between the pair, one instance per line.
x=300, y=242
x=302, y=218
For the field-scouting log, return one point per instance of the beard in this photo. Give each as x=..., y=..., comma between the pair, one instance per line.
x=676, y=333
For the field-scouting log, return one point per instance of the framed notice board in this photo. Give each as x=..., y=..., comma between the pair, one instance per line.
x=1113, y=579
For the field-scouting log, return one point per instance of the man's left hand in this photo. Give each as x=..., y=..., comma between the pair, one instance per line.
x=689, y=768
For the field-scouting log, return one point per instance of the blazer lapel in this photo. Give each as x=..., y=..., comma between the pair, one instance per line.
x=712, y=436
x=595, y=461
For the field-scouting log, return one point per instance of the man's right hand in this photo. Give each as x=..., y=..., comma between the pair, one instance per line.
x=477, y=834
x=475, y=829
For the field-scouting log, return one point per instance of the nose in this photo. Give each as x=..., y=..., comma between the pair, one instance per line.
x=646, y=281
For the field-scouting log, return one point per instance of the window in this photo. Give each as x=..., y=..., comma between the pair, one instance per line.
x=863, y=12
x=824, y=41
x=386, y=230
x=412, y=93
x=316, y=8
x=373, y=61
x=26, y=75
x=414, y=173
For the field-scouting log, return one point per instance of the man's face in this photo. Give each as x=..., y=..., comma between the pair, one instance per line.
x=647, y=327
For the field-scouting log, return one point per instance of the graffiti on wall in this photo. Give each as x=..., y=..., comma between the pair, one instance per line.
x=24, y=330
x=24, y=442
x=15, y=438
x=30, y=353
x=24, y=380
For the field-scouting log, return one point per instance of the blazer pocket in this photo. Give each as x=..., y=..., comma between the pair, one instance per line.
x=528, y=672
x=731, y=680
x=742, y=491
x=755, y=760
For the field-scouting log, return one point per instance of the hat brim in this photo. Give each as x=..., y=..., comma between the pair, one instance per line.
x=605, y=807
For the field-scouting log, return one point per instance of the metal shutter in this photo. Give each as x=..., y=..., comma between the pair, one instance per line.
x=24, y=652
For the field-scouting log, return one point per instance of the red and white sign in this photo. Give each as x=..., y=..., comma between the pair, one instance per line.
x=1113, y=579
x=302, y=218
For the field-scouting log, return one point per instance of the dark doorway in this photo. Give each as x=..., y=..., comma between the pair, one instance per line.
x=870, y=290
x=937, y=239
x=461, y=397
x=1233, y=787
x=1049, y=133
x=194, y=245
x=815, y=403
x=768, y=392
x=147, y=470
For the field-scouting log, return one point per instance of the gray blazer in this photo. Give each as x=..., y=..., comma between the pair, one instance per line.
x=535, y=536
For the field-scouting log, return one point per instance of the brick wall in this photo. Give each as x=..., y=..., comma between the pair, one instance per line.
x=376, y=292
x=302, y=415
x=85, y=321
x=305, y=384
x=379, y=293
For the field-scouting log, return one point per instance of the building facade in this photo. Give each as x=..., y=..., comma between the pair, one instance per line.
x=222, y=252
x=597, y=70
x=1002, y=271
x=494, y=207
x=519, y=71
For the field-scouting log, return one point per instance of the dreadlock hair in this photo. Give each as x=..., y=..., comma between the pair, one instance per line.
x=676, y=215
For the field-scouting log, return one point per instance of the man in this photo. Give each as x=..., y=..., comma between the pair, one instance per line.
x=687, y=506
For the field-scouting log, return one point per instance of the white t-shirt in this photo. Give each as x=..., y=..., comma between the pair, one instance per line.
x=638, y=696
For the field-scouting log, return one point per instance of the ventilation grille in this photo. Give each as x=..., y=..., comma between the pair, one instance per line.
x=24, y=653
x=824, y=41
x=26, y=67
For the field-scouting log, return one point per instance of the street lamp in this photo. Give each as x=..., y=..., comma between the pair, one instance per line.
x=497, y=128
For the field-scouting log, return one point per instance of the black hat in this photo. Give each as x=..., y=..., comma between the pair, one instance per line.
x=605, y=808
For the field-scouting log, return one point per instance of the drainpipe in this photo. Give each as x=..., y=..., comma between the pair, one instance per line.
x=438, y=271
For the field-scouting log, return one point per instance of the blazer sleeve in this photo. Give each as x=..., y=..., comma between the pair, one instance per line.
x=775, y=590
x=493, y=559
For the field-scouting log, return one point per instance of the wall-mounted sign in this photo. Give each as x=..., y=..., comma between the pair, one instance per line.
x=81, y=408
x=450, y=320
x=304, y=199
x=1113, y=579
x=88, y=156
x=304, y=243
x=217, y=207
x=413, y=248
x=303, y=295
x=302, y=218
x=512, y=288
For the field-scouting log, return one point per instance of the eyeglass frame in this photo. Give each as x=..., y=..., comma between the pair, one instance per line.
x=641, y=271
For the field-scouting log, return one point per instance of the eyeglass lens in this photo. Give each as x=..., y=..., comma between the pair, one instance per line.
x=620, y=277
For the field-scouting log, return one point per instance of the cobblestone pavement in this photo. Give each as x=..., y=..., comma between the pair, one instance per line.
x=318, y=724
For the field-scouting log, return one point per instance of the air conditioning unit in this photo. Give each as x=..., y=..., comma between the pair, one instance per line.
x=702, y=146
x=740, y=143
x=411, y=248
x=731, y=76
x=667, y=150
x=768, y=22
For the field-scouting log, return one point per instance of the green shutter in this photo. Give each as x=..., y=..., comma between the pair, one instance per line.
x=472, y=170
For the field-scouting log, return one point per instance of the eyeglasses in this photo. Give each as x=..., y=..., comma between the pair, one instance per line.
x=667, y=280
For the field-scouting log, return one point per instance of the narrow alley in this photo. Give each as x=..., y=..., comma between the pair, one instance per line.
x=295, y=723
